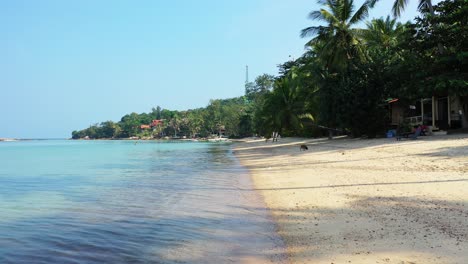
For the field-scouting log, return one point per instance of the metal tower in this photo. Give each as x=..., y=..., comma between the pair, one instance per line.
x=246, y=74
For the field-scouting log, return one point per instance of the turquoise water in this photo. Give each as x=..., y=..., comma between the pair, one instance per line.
x=120, y=202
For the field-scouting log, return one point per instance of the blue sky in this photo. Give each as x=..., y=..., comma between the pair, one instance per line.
x=68, y=64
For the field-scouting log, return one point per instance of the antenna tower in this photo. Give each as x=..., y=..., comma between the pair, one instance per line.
x=246, y=74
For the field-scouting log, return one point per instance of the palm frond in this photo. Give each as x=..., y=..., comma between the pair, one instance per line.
x=425, y=5
x=372, y=3
x=307, y=116
x=316, y=15
x=336, y=43
x=311, y=31
x=390, y=23
x=398, y=7
x=347, y=8
x=361, y=14
x=382, y=32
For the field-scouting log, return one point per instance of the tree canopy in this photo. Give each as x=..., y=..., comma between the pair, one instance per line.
x=340, y=83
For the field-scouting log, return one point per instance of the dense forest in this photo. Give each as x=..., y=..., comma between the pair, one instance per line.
x=342, y=82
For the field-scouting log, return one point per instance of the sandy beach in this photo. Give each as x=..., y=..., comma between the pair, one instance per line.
x=365, y=201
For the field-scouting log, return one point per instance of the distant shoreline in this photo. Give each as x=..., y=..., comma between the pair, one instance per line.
x=28, y=139
x=126, y=139
x=160, y=139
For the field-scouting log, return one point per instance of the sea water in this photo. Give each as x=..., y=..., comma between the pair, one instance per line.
x=67, y=201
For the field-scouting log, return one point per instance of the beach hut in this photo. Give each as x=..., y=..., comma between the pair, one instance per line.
x=440, y=112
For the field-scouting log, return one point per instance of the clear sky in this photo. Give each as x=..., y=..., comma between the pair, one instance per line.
x=68, y=64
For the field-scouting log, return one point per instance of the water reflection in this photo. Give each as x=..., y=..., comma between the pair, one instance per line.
x=125, y=203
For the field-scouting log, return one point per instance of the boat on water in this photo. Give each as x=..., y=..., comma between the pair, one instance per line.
x=219, y=139
x=8, y=139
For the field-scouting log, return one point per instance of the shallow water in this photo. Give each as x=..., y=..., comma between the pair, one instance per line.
x=121, y=202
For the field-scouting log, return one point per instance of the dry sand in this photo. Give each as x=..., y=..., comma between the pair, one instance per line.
x=366, y=201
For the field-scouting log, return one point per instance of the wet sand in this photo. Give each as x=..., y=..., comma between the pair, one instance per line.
x=365, y=201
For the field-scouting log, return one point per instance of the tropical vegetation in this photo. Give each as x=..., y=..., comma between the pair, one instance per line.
x=339, y=85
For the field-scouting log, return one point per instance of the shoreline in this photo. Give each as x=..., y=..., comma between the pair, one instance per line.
x=365, y=201
x=254, y=204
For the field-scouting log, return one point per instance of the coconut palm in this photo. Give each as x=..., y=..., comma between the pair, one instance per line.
x=382, y=33
x=424, y=6
x=337, y=40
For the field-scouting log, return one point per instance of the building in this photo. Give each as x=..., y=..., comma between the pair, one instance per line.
x=438, y=112
x=157, y=122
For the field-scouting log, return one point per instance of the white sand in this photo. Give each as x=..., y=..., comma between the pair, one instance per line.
x=366, y=201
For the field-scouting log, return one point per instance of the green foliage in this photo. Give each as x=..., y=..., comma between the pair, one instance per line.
x=219, y=116
x=382, y=34
x=400, y=5
x=434, y=52
x=284, y=108
x=263, y=84
x=336, y=42
x=340, y=83
x=109, y=129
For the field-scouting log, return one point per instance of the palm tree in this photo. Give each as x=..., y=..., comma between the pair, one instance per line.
x=337, y=40
x=424, y=6
x=285, y=104
x=382, y=33
x=175, y=124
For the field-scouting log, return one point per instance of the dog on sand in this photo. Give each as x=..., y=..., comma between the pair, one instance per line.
x=303, y=148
